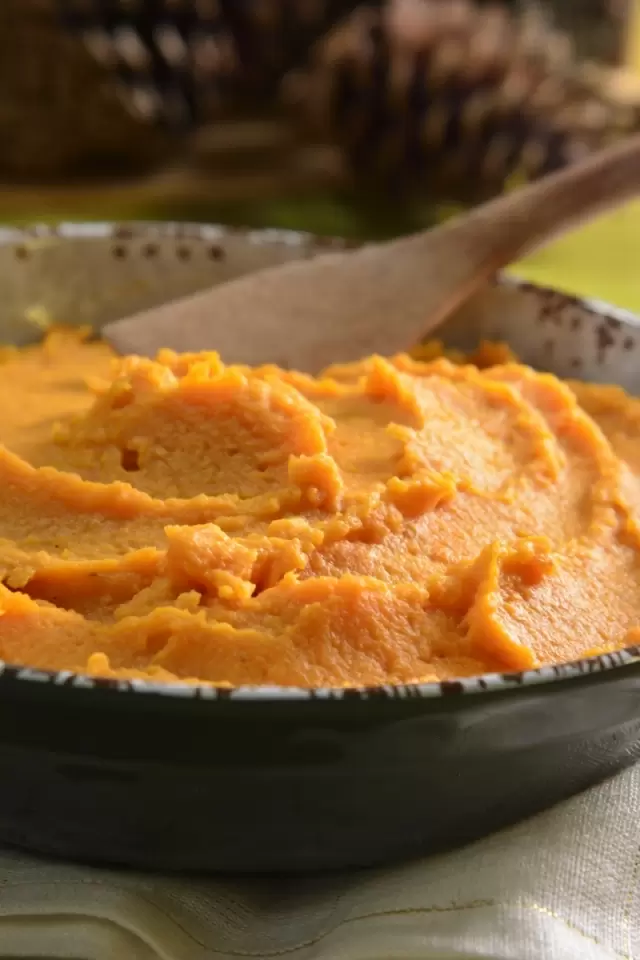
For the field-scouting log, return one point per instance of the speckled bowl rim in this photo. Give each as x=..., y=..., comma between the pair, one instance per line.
x=482, y=684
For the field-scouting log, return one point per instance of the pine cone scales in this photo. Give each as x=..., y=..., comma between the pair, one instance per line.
x=181, y=60
x=175, y=59
x=273, y=36
x=450, y=95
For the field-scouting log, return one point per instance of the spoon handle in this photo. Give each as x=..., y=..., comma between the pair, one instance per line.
x=515, y=224
x=448, y=264
x=386, y=297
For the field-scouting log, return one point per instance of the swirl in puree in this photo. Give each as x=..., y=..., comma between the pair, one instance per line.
x=390, y=521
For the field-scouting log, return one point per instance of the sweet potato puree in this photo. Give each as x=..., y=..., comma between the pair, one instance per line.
x=393, y=520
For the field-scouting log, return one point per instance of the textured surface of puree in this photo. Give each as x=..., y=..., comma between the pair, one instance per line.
x=394, y=520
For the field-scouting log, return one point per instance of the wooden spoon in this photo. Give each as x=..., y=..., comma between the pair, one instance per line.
x=383, y=298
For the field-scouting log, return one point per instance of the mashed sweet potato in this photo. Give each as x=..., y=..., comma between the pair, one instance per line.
x=393, y=520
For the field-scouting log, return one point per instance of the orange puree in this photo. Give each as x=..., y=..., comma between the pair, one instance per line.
x=393, y=520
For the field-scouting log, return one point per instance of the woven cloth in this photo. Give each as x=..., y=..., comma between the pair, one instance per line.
x=561, y=886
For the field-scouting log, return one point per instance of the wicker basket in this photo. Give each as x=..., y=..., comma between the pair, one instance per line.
x=60, y=111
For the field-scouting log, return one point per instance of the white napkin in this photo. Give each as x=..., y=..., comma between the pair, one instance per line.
x=562, y=886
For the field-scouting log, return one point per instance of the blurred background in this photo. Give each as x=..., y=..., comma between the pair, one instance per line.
x=365, y=119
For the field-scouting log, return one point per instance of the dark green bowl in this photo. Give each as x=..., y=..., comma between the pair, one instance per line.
x=277, y=779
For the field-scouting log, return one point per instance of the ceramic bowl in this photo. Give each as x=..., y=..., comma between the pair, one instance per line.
x=273, y=779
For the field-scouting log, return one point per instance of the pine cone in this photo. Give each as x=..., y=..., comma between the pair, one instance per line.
x=451, y=96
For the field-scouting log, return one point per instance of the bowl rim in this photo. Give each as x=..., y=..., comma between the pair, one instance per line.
x=490, y=683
